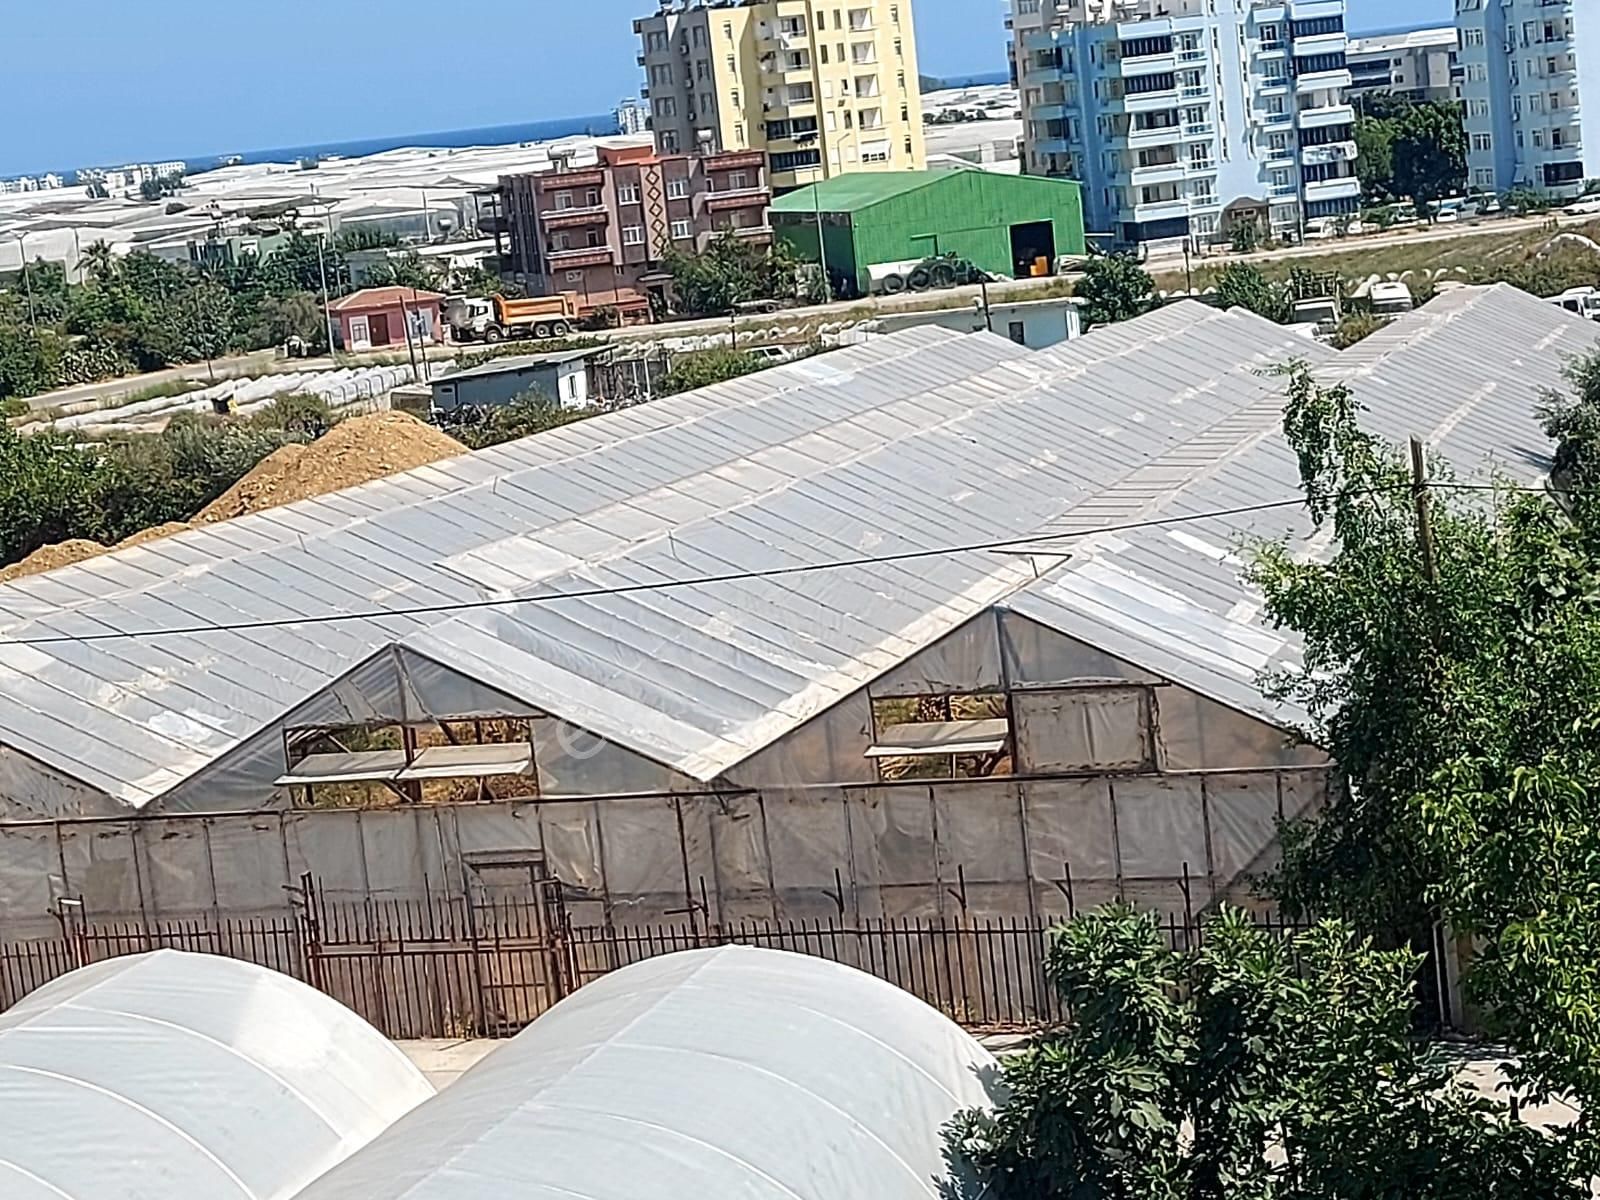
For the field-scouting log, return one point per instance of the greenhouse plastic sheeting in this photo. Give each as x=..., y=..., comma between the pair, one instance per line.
x=172, y=1076
x=714, y=1073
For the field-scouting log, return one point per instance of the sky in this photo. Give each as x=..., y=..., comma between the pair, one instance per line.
x=101, y=82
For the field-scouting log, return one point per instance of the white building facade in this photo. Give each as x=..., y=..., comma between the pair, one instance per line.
x=1530, y=73
x=1417, y=64
x=1183, y=117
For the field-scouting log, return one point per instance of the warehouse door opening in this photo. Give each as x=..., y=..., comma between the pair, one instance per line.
x=1033, y=249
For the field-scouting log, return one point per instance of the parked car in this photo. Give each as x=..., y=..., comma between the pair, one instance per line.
x=1585, y=301
x=1588, y=206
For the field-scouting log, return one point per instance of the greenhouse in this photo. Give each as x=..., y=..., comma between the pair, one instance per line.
x=172, y=1076
x=712, y=1073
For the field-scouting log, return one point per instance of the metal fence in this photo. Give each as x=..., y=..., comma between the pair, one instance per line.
x=487, y=967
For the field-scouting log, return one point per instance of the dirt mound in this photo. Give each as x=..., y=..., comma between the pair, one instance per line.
x=64, y=554
x=48, y=558
x=151, y=534
x=353, y=452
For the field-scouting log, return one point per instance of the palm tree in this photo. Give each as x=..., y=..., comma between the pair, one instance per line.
x=100, y=262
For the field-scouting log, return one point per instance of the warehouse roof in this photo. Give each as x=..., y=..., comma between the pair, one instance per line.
x=857, y=190
x=716, y=1073
x=663, y=559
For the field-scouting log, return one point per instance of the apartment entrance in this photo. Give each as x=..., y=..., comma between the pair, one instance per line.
x=380, y=328
x=1033, y=248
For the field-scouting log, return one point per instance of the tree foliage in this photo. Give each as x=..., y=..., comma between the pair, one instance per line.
x=1115, y=288
x=479, y=426
x=1240, y=285
x=1375, y=164
x=705, y=367
x=730, y=272
x=1252, y=1068
x=1459, y=700
x=1430, y=152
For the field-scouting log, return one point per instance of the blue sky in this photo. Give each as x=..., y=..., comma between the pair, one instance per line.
x=101, y=81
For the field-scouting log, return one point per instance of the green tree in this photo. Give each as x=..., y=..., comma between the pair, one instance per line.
x=1430, y=153
x=276, y=319
x=50, y=490
x=1573, y=423
x=729, y=272
x=30, y=362
x=99, y=263
x=1249, y=1069
x=205, y=321
x=1246, y=236
x=705, y=367
x=1115, y=288
x=1356, y=327
x=1458, y=694
x=296, y=266
x=1375, y=164
x=1240, y=285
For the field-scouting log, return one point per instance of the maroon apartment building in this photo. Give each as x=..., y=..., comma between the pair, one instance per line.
x=602, y=231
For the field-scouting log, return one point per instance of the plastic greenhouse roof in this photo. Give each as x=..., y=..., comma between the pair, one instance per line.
x=914, y=443
x=717, y=1073
x=188, y=1077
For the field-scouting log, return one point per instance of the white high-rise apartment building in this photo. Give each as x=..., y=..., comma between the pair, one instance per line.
x=1523, y=95
x=1182, y=117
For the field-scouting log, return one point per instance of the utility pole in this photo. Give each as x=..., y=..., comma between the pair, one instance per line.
x=405, y=322
x=422, y=354
x=1419, y=494
x=327, y=313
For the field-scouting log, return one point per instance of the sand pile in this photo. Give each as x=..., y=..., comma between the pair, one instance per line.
x=353, y=452
x=64, y=554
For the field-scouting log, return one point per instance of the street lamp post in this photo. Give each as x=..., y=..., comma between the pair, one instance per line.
x=327, y=313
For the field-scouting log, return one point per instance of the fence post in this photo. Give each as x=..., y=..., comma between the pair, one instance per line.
x=310, y=930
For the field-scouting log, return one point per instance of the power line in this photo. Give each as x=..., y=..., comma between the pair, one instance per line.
x=1040, y=543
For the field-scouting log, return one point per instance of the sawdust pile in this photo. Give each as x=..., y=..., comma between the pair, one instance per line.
x=353, y=452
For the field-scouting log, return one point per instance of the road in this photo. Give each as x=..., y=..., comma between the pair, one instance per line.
x=96, y=394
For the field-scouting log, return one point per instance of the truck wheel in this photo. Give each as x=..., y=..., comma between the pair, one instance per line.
x=894, y=283
x=492, y=334
x=919, y=280
x=541, y=330
x=560, y=329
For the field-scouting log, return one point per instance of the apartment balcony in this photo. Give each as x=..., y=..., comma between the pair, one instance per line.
x=728, y=201
x=1166, y=135
x=1150, y=101
x=1333, y=152
x=1320, y=43
x=1333, y=189
x=1332, y=114
x=735, y=160
x=1161, y=210
x=1172, y=172
x=1282, y=191
x=1149, y=64
x=1193, y=58
x=753, y=233
x=1057, y=111
x=1202, y=131
x=561, y=181
x=582, y=256
x=1274, y=120
x=574, y=218
x=1311, y=10
x=1316, y=81
x=1276, y=85
x=1051, y=145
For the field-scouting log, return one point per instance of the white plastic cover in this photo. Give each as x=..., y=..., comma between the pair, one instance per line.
x=173, y=1076
x=711, y=1073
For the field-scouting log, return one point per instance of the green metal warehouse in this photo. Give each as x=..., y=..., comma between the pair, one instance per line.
x=1002, y=223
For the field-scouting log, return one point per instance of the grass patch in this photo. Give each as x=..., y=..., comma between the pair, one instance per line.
x=1509, y=257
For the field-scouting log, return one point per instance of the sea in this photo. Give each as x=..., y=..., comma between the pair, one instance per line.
x=603, y=125
x=491, y=135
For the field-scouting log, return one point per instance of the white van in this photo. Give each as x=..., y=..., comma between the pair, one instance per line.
x=1391, y=298
x=1585, y=301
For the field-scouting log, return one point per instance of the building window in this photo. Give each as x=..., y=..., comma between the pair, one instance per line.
x=1482, y=143
x=563, y=200
x=591, y=198
x=941, y=737
x=633, y=235
x=1271, y=37
x=661, y=75
x=678, y=188
x=738, y=181
x=682, y=230
x=666, y=106
x=655, y=41
x=628, y=193
x=1016, y=332
x=1472, y=37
